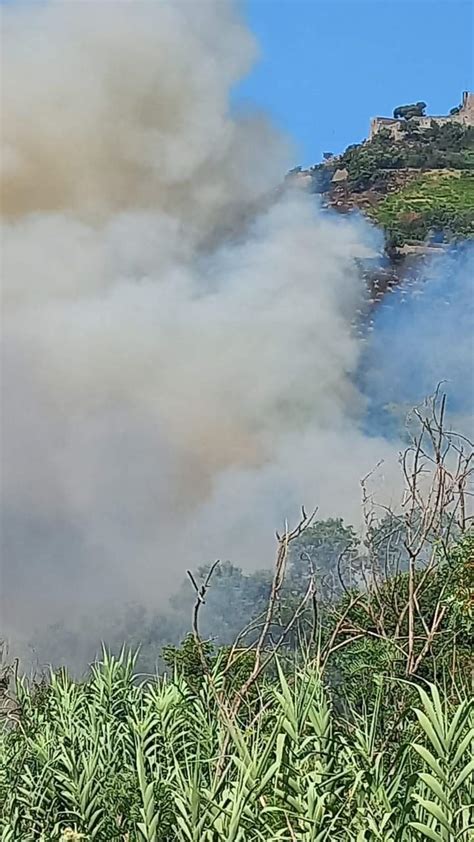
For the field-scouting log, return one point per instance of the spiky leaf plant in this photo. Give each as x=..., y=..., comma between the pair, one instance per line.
x=111, y=759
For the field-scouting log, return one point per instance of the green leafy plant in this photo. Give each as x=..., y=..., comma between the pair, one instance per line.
x=112, y=759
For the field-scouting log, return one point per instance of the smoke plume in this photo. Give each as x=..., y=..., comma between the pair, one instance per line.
x=178, y=351
x=424, y=335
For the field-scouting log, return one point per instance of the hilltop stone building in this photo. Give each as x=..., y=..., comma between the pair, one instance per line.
x=465, y=116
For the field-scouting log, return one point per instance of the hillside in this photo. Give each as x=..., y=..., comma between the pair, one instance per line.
x=413, y=176
x=437, y=204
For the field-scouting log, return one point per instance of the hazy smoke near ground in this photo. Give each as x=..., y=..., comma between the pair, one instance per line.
x=424, y=334
x=178, y=348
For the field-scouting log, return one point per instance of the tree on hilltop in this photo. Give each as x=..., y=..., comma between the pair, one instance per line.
x=404, y=112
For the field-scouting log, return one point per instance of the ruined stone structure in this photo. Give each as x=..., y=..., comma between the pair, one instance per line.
x=465, y=116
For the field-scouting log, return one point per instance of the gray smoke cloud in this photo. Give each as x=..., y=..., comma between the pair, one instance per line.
x=426, y=328
x=178, y=347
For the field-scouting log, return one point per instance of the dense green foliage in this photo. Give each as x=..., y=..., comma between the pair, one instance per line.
x=378, y=616
x=111, y=759
x=436, y=202
x=449, y=146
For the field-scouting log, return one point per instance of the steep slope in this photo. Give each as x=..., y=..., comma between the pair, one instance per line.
x=416, y=182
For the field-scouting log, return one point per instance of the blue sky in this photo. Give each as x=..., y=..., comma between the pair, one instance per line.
x=327, y=66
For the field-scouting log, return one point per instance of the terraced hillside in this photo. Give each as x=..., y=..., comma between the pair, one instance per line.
x=437, y=204
x=418, y=186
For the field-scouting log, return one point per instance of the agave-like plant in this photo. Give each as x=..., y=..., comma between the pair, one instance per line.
x=110, y=759
x=445, y=795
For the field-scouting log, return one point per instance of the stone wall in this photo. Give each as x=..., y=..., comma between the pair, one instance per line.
x=465, y=116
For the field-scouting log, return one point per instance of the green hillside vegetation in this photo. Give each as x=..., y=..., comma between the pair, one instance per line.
x=450, y=146
x=395, y=181
x=436, y=202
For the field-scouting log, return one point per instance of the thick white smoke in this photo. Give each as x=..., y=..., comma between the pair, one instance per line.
x=177, y=334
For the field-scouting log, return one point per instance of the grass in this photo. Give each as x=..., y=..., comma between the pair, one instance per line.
x=440, y=200
x=112, y=759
